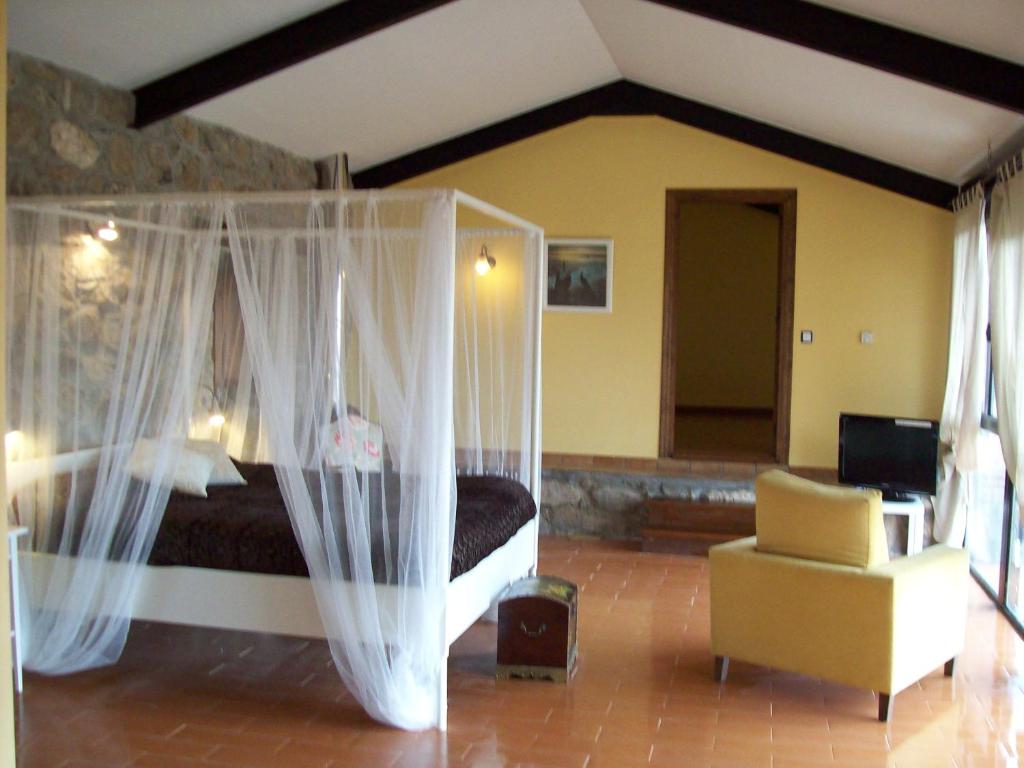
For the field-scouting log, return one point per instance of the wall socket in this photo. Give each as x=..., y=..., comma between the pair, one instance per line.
x=806, y=337
x=867, y=337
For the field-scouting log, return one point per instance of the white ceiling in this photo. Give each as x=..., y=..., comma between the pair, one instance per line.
x=128, y=43
x=834, y=100
x=454, y=69
x=474, y=62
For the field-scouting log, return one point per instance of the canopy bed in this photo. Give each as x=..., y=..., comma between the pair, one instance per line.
x=305, y=413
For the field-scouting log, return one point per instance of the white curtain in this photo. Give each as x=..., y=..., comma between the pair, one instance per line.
x=105, y=346
x=353, y=314
x=1007, y=298
x=966, y=374
x=495, y=358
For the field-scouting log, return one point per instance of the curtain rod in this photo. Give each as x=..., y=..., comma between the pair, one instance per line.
x=1011, y=167
x=988, y=179
x=968, y=196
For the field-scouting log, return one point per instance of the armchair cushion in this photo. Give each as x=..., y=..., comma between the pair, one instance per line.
x=801, y=518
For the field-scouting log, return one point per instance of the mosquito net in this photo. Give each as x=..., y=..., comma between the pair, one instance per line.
x=350, y=340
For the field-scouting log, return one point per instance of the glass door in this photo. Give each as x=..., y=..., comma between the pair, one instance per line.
x=1014, y=593
x=986, y=514
x=995, y=531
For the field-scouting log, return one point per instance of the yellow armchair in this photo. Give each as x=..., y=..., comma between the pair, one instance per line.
x=815, y=593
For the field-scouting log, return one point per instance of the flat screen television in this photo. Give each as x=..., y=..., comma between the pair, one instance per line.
x=899, y=456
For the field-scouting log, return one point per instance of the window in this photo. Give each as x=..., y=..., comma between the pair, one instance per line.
x=995, y=534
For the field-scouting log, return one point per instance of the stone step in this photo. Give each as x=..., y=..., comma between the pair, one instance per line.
x=688, y=527
x=668, y=541
x=708, y=517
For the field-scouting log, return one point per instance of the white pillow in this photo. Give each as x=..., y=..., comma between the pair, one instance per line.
x=224, y=470
x=353, y=441
x=190, y=475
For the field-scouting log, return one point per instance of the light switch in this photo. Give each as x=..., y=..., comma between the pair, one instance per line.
x=867, y=337
x=806, y=337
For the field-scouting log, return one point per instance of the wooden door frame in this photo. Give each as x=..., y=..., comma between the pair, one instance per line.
x=785, y=199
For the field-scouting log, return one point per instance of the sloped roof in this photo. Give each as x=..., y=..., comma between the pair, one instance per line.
x=465, y=65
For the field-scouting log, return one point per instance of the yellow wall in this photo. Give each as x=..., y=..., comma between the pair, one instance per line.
x=6, y=688
x=866, y=260
x=726, y=295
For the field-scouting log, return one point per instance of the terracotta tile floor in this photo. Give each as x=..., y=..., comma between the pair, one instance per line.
x=642, y=695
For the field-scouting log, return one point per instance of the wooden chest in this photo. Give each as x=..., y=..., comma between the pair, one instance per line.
x=537, y=629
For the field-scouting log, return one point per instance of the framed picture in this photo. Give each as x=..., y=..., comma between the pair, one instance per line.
x=579, y=274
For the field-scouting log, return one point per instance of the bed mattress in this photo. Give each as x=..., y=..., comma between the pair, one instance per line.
x=247, y=527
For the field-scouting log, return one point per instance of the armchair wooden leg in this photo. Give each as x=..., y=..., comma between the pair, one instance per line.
x=721, y=668
x=884, y=707
x=950, y=669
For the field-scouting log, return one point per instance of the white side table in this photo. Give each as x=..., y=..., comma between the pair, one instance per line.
x=13, y=534
x=914, y=512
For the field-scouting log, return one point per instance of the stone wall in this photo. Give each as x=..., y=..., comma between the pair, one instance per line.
x=612, y=506
x=69, y=134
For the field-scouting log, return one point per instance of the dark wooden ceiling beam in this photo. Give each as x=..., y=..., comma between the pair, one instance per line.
x=598, y=101
x=897, y=51
x=270, y=53
x=627, y=98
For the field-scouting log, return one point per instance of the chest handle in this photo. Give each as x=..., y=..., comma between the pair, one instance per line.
x=533, y=632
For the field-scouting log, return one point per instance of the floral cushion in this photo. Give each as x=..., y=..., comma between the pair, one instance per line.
x=354, y=441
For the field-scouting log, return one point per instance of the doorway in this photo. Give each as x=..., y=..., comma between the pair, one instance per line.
x=728, y=324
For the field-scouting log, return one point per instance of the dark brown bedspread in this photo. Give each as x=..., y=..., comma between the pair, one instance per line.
x=247, y=527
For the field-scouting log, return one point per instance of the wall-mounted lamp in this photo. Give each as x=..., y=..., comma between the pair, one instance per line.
x=90, y=260
x=108, y=232
x=217, y=420
x=13, y=441
x=484, y=261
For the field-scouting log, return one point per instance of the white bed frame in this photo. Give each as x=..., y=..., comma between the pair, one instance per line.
x=283, y=605
x=286, y=605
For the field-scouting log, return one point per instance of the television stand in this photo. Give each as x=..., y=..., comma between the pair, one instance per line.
x=888, y=495
x=912, y=508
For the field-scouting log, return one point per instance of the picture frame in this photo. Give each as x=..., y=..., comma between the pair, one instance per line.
x=578, y=274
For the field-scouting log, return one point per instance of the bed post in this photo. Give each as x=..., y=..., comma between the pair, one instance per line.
x=535, y=459
x=442, y=692
x=442, y=676
x=541, y=283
